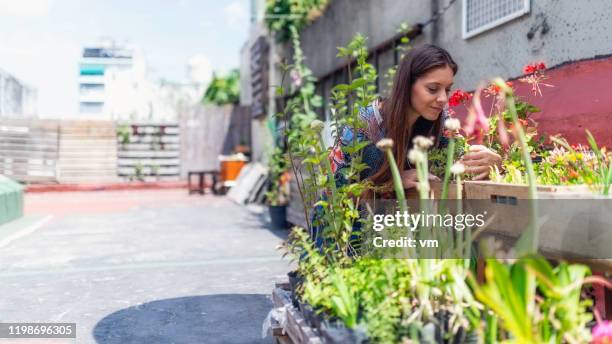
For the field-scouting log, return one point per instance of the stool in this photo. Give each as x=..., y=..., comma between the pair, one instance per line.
x=201, y=176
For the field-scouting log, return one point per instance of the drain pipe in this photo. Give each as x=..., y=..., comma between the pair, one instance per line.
x=435, y=8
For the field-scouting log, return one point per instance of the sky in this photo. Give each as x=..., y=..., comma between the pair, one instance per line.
x=41, y=40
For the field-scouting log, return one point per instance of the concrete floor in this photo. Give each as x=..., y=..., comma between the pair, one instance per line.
x=141, y=267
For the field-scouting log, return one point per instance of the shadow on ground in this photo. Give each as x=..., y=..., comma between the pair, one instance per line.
x=259, y=218
x=224, y=318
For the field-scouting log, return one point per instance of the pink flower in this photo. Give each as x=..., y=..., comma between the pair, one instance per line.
x=296, y=78
x=477, y=122
x=602, y=333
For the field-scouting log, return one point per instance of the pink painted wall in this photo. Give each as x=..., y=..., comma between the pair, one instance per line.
x=580, y=99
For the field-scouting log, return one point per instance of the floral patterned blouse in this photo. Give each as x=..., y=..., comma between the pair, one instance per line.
x=373, y=132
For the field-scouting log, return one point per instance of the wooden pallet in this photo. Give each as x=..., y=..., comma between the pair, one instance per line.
x=296, y=331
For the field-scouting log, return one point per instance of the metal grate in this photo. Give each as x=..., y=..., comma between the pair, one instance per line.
x=483, y=15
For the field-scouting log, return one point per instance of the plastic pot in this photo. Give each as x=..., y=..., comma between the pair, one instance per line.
x=337, y=333
x=295, y=281
x=278, y=217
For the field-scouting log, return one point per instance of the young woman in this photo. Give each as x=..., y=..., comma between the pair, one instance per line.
x=416, y=106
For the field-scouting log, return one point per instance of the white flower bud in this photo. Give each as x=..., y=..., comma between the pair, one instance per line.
x=384, y=144
x=416, y=155
x=457, y=168
x=452, y=124
x=422, y=142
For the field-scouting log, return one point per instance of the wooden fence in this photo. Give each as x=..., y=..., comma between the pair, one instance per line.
x=87, y=152
x=51, y=151
x=210, y=131
x=29, y=150
x=77, y=151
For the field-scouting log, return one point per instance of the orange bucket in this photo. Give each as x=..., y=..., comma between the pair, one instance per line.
x=230, y=167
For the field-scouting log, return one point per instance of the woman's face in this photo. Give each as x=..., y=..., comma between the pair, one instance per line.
x=430, y=92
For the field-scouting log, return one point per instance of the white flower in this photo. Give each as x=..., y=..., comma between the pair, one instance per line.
x=452, y=124
x=416, y=155
x=384, y=144
x=422, y=142
x=457, y=168
x=317, y=125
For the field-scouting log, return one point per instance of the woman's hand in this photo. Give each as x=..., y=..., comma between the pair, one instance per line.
x=479, y=160
x=410, y=179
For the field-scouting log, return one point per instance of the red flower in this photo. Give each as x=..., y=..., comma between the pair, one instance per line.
x=459, y=97
x=534, y=76
x=494, y=90
x=534, y=67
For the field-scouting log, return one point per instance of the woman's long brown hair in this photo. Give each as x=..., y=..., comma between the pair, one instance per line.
x=416, y=63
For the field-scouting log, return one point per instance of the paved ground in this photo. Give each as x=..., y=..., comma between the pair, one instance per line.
x=141, y=267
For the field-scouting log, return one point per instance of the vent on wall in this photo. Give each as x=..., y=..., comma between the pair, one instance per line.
x=483, y=15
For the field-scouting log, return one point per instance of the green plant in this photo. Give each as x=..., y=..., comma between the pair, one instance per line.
x=430, y=295
x=557, y=316
x=565, y=164
x=278, y=191
x=402, y=48
x=223, y=89
x=138, y=171
x=282, y=16
x=439, y=157
x=124, y=133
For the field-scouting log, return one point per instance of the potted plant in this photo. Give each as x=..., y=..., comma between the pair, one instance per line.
x=278, y=189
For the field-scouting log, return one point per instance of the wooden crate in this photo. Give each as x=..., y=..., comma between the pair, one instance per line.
x=503, y=192
x=508, y=208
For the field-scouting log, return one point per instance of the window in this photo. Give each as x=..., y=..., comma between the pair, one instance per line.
x=91, y=107
x=86, y=89
x=91, y=69
x=483, y=15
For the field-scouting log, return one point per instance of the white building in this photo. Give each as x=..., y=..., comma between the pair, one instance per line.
x=113, y=83
x=16, y=98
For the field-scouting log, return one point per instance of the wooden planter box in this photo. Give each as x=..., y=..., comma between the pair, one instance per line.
x=508, y=209
x=510, y=193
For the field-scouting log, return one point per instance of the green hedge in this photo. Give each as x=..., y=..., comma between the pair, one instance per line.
x=11, y=200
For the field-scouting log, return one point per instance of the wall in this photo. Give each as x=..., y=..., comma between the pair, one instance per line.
x=578, y=30
x=576, y=47
x=377, y=19
x=203, y=132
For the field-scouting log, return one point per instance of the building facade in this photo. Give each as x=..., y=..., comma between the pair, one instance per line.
x=486, y=39
x=16, y=98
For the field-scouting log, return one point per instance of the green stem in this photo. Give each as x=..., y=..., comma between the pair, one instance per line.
x=532, y=233
x=397, y=181
x=450, y=156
